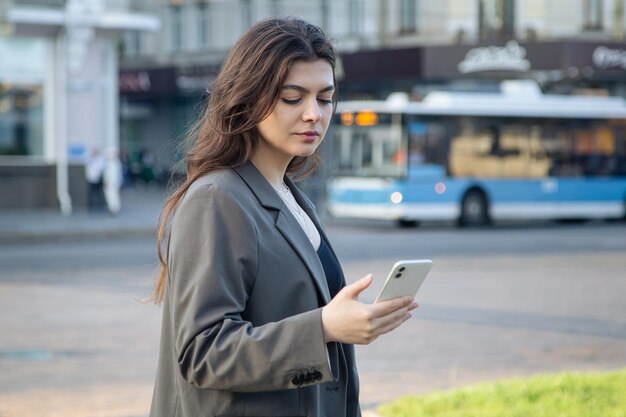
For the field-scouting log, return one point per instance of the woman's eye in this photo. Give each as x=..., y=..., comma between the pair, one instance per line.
x=291, y=100
x=325, y=100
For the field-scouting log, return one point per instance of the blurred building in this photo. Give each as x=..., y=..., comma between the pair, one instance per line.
x=385, y=45
x=59, y=94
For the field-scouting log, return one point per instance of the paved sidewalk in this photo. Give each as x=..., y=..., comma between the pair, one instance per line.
x=139, y=216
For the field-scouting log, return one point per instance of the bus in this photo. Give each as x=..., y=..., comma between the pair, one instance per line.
x=477, y=158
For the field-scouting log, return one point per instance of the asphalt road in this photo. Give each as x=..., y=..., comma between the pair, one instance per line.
x=75, y=340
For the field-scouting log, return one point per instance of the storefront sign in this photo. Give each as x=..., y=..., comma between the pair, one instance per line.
x=148, y=83
x=164, y=82
x=196, y=78
x=135, y=82
x=510, y=57
x=606, y=58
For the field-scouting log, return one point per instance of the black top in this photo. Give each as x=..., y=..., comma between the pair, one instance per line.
x=332, y=270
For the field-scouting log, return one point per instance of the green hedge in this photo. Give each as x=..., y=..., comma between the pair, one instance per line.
x=560, y=395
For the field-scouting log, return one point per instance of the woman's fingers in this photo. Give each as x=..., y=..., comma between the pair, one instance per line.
x=384, y=308
x=347, y=320
x=393, y=325
x=384, y=321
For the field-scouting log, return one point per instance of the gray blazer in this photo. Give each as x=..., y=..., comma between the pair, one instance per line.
x=242, y=330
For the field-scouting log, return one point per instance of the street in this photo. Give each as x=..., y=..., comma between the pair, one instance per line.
x=76, y=340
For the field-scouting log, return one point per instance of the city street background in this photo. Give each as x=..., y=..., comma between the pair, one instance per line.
x=84, y=78
x=500, y=302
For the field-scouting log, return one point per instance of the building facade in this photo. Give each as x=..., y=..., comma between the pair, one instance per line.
x=385, y=46
x=59, y=94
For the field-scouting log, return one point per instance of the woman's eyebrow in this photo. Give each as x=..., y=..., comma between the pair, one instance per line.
x=304, y=90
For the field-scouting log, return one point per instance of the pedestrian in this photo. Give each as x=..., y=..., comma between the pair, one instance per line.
x=257, y=319
x=147, y=167
x=113, y=179
x=94, y=170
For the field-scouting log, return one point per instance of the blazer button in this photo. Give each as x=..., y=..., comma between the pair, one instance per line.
x=297, y=380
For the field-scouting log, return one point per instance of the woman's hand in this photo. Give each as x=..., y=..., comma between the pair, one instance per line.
x=347, y=320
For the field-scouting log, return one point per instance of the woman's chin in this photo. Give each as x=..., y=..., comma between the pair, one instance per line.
x=305, y=151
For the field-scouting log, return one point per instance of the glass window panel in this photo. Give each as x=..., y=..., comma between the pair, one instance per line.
x=21, y=96
x=592, y=11
x=378, y=150
x=408, y=16
x=496, y=19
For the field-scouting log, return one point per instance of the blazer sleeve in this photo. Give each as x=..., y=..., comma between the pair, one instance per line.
x=212, y=267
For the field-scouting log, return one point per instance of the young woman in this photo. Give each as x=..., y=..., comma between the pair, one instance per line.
x=257, y=320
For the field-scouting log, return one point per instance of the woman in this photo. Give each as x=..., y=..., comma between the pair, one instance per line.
x=257, y=319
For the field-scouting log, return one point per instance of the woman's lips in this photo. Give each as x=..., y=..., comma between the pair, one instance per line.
x=309, y=136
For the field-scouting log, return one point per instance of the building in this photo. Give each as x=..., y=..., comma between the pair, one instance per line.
x=59, y=94
x=565, y=46
x=385, y=45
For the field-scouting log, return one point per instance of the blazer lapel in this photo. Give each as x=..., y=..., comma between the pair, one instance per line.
x=286, y=224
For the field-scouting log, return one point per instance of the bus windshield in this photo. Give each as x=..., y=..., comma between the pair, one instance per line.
x=371, y=146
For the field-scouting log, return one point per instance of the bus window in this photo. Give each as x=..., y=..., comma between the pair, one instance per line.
x=417, y=143
x=506, y=149
x=582, y=148
x=427, y=144
x=620, y=147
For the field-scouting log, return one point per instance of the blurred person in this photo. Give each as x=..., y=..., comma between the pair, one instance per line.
x=94, y=171
x=148, y=160
x=257, y=318
x=127, y=180
x=113, y=180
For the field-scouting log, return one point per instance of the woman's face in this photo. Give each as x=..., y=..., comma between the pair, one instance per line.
x=300, y=118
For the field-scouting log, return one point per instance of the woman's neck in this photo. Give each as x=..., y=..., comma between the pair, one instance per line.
x=273, y=167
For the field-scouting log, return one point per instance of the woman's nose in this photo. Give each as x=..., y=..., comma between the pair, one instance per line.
x=312, y=111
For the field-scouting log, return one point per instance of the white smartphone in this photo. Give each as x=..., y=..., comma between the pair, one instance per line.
x=405, y=278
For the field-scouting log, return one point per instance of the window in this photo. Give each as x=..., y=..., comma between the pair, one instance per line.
x=408, y=16
x=592, y=12
x=22, y=84
x=176, y=27
x=355, y=12
x=246, y=13
x=132, y=43
x=275, y=8
x=325, y=12
x=496, y=19
x=376, y=150
x=203, y=24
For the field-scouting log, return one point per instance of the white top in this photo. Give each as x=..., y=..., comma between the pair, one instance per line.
x=303, y=219
x=94, y=168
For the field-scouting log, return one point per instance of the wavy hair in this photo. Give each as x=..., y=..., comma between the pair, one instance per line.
x=243, y=95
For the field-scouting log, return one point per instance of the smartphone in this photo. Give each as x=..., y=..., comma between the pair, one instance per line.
x=405, y=278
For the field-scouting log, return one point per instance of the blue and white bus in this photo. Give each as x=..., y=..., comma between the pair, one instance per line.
x=475, y=158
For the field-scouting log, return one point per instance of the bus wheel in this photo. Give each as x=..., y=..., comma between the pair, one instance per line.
x=407, y=224
x=474, y=209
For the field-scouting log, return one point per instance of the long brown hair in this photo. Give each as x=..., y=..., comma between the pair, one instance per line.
x=244, y=94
